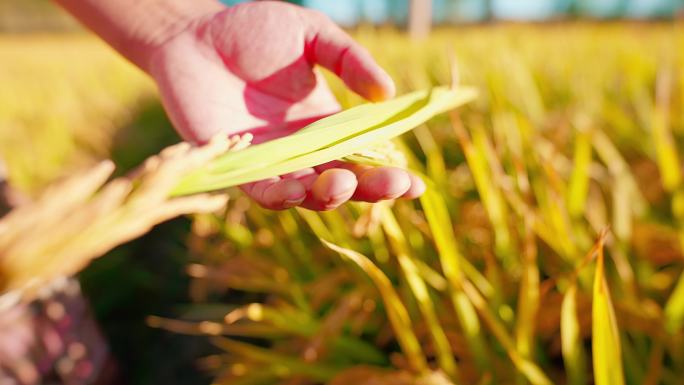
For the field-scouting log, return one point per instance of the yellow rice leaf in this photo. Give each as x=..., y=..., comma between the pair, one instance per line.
x=437, y=215
x=665, y=145
x=419, y=289
x=579, y=180
x=674, y=309
x=571, y=342
x=396, y=311
x=606, y=350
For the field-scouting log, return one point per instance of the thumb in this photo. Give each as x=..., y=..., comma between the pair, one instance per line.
x=332, y=48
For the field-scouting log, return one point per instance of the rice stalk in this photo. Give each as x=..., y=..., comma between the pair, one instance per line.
x=396, y=311
x=527, y=368
x=396, y=238
x=476, y=152
x=579, y=181
x=287, y=365
x=573, y=353
x=528, y=297
x=83, y=217
x=451, y=262
x=606, y=350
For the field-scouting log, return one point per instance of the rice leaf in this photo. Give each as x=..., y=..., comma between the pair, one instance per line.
x=328, y=139
x=665, y=145
x=476, y=152
x=436, y=167
x=295, y=366
x=532, y=372
x=618, y=167
x=451, y=260
x=674, y=309
x=606, y=350
x=579, y=180
x=529, y=298
x=420, y=291
x=396, y=311
x=571, y=342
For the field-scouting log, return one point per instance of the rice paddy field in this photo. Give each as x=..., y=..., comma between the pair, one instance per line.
x=549, y=248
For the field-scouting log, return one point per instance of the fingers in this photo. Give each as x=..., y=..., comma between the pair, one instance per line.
x=381, y=183
x=330, y=189
x=329, y=46
x=417, y=187
x=328, y=186
x=276, y=193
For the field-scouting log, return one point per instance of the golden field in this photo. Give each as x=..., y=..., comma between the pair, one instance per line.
x=548, y=249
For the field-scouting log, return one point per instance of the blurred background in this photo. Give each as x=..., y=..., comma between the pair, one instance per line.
x=592, y=86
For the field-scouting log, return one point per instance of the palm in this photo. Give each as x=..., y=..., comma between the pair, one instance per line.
x=229, y=75
x=250, y=68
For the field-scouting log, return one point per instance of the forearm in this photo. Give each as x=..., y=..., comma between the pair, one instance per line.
x=136, y=27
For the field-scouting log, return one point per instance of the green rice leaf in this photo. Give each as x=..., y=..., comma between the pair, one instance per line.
x=328, y=139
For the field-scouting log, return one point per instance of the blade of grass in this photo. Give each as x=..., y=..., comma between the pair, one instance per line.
x=396, y=311
x=528, y=302
x=618, y=167
x=450, y=258
x=574, y=356
x=294, y=366
x=476, y=153
x=579, y=179
x=328, y=139
x=527, y=368
x=665, y=148
x=420, y=291
x=606, y=351
x=674, y=308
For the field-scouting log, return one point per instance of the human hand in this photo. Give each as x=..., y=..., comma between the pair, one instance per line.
x=250, y=68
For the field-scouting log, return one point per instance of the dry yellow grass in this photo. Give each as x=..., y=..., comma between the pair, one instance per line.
x=61, y=101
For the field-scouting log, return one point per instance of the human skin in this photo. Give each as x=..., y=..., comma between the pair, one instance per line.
x=251, y=68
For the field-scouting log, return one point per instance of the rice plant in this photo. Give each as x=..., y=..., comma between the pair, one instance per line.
x=547, y=249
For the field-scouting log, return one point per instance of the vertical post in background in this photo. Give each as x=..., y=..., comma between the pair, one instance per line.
x=420, y=18
x=489, y=10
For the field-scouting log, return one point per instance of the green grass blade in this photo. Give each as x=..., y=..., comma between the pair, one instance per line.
x=329, y=139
